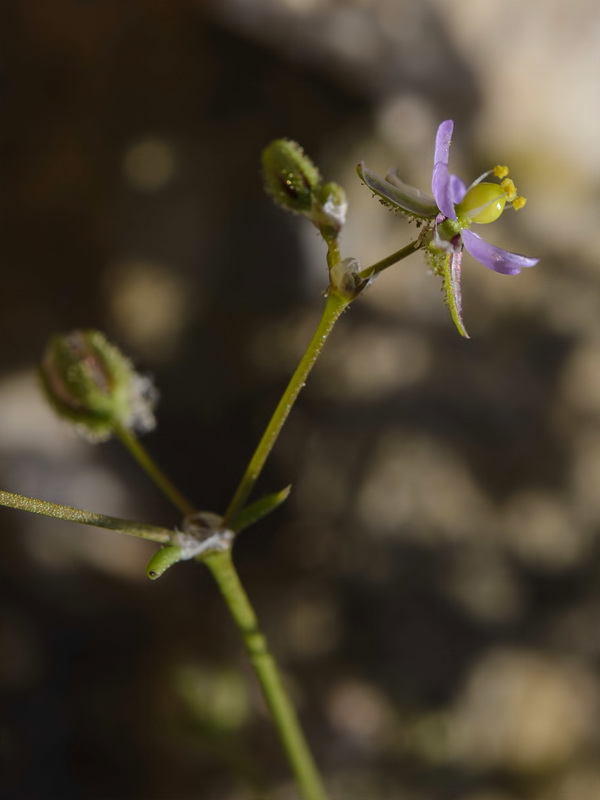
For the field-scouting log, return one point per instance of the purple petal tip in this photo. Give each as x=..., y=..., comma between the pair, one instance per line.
x=492, y=257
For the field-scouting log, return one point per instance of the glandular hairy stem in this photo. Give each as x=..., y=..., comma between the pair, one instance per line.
x=69, y=514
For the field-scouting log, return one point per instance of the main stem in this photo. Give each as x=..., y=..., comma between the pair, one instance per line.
x=221, y=564
x=333, y=309
x=276, y=696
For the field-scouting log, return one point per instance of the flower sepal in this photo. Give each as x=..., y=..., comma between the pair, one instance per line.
x=452, y=292
x=397, y=194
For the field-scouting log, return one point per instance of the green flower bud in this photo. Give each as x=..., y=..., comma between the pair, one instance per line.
x=290, y=176
x=90, y=383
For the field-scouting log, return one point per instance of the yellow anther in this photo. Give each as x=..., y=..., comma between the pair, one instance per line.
x=518, y=203
x=500, y=172
x=509, y=189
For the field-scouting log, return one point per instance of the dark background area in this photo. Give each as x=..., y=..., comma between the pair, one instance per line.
x=431, y=587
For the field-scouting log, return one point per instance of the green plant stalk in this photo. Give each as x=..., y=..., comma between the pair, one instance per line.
x=145, y=460
x=69, y=514
x=281, y=708
x=333, y=252
x=404, y=252
x=334, y=307
x=220, y=563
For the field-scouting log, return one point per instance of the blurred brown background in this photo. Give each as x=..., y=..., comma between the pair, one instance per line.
x=432, y=585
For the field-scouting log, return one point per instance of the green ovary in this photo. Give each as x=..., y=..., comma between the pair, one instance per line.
x=483, y=203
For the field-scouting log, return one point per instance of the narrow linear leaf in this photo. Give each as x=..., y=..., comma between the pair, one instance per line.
x=259, y=509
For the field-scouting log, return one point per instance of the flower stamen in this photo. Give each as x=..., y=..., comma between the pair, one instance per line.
x=509, y=189
x=478, y=180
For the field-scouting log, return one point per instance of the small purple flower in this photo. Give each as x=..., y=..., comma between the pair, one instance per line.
x=451, y=195
x=449, y=215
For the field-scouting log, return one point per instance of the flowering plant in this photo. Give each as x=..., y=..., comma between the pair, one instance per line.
x=93, y=386
x=450, y=214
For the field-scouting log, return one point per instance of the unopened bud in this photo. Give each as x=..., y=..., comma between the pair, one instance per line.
x=90, y=383
x=330, y=209
x=290, y=176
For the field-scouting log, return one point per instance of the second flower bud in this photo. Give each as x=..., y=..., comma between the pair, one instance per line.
x=294, y=182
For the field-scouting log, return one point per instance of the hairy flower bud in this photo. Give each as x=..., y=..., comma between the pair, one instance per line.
x=290, y=176
x=90, y=383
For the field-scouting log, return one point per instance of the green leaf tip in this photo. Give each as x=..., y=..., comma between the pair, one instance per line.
x=259, y=509
x=163, y=559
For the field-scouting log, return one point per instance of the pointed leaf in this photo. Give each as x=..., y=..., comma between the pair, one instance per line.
x=399, y=194
x=259, y=509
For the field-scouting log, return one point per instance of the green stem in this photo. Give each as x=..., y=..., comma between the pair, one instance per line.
x=141, y=455
x=278, y=701
x=404, y=252
x=333, y=308
x=70, y=514
x=333, y=252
